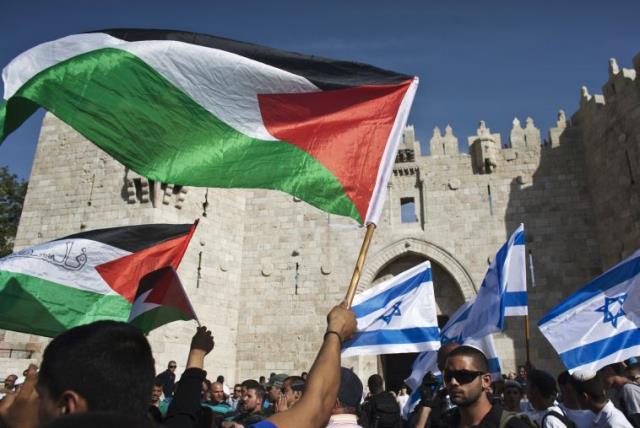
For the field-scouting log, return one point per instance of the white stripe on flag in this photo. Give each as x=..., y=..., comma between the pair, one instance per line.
x=70, y=262
x=487, y=314
x=396, y=316
x=599, y=324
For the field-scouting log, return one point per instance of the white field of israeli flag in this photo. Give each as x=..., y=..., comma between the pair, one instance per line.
x=396, y=316
x=427, y=361
x=599, y=324
x=503, y=291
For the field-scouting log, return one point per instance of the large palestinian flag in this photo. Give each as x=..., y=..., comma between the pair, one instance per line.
x=85, y=277
x=199, y=110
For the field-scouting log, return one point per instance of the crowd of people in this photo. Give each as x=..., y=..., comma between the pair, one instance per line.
x=102, y=374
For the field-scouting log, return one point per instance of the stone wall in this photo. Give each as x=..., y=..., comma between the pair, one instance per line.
x=264, y=268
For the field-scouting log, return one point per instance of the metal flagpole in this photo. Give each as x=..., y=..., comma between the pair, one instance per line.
x=527, y=333
x=351, y=292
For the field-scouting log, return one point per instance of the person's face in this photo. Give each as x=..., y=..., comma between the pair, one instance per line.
x=156, y=393
x=217, y=393
x=48, y=408
x=172, y=366
x=10, y=382
x=291, y=395
x=522, y=372
x=274, y=394
x=607, y=374
x=251, y=401
x=536, y=400
x=237, y=392
x=512, y=397
x=464, y=381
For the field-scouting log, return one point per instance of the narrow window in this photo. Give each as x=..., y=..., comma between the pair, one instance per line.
x=408, y=210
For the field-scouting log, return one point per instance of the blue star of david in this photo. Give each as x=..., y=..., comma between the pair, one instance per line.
x=610, y=316
x=393, y=312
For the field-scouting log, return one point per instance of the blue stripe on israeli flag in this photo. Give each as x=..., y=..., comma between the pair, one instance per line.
x=599, y=324
x=506, y=274
x=396, y=316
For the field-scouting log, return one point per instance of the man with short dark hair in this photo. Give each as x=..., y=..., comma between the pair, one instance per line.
x=625, y=393
x=345, y=411
x=168, y=379
x=235, y=396
x=78, y=367
x=381, y=410
x=512, y=396
x=292, y=388
x=591, y=395
x=467, y=378
x=542, y=392
x=252, y=400
x=570, y=406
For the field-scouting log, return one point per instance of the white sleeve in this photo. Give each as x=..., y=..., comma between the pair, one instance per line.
x=552, y=422
x=631, y=397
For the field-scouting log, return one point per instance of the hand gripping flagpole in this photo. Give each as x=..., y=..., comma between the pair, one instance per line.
x=351, y=292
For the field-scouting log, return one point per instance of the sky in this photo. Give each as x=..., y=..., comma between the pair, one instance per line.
x=476, y=60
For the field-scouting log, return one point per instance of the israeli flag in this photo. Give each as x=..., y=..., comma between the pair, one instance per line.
x=503, y=291
x=396, y=316
x=427, y=361
x=600, y=324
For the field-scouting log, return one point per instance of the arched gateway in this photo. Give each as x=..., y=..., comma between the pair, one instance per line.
x=452, y=286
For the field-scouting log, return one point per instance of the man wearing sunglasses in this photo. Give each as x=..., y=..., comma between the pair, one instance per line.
x=168, y=379
x=468, y=380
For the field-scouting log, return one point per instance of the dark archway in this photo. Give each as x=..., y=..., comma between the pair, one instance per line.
x=397, y=367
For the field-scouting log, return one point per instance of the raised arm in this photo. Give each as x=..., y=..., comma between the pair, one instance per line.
x=321, y=391
x=183, y=410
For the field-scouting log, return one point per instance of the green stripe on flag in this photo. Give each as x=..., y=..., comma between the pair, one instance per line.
x=140, y=118
x=33, y=305
x=159, y=316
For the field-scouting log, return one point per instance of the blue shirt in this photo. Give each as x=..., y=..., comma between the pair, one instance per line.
x=263, y=424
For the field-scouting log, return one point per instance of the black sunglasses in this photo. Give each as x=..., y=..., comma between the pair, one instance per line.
x=173, y=367
x=461, y=376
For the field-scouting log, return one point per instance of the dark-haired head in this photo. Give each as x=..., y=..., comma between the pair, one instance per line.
x=375, y=383
x=104, y=366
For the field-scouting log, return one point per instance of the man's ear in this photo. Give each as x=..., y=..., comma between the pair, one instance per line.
x=486, y=381
x=71, y=402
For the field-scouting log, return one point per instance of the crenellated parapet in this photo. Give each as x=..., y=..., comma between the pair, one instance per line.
x=441, y=145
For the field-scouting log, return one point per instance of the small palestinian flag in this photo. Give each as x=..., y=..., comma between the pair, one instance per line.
x=89, y=276
x=198, y=110
x=160, y=299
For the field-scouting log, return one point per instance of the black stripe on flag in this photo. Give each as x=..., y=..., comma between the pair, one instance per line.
x=323, y=72
x=134, y=238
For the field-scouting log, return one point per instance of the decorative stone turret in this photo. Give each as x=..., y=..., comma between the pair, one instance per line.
x=450, y=141
x=484, y=148
x=436, y=146
x=516, y=137
x=443, y=145
x=532, y=135
x=554, y=133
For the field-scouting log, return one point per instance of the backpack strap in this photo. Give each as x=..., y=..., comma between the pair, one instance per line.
x=561, y=417
x=505, y=417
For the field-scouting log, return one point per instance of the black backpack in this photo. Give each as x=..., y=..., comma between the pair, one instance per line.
x=385, y=412
x=563, y=418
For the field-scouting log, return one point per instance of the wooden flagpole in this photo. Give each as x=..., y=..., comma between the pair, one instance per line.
x=526, y=337
x=351, y=292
